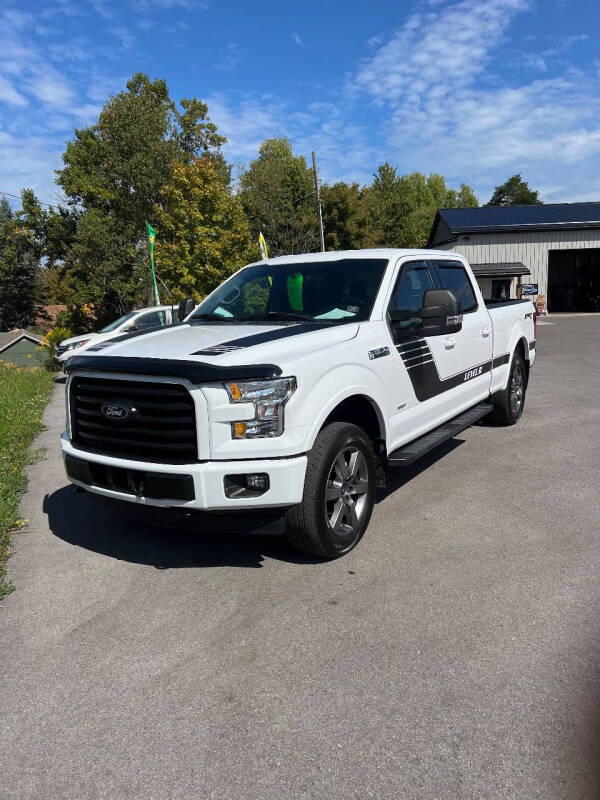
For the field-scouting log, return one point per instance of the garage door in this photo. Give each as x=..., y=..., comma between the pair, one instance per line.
x=573, y=280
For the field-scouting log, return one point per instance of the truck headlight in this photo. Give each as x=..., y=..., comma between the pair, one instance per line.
x=268, y=398
x=73, y=346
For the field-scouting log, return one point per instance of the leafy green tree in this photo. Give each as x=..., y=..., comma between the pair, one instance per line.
x=402, y=207
x=203, y=234
x=19, y=270
x=277, y=193
x=514, y=192
x=346, y=222
x=113, y=177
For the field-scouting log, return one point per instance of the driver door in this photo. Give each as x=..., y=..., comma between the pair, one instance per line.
x=422, y=363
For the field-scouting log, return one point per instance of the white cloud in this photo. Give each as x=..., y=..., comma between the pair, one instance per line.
x=296, y=39
x=125, y=36
x=160, y=5
x=9, y=95
x=444, y=117
x=232, y=55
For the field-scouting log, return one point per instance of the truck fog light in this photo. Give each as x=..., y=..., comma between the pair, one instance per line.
x=252, y=484
x=258, y=480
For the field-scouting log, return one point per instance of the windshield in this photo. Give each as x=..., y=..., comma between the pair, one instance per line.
x=117, y=322
x=337, y=291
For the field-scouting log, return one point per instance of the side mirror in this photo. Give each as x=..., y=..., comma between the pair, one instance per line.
x=441, y=313
x=131, y=328
x=185, y=308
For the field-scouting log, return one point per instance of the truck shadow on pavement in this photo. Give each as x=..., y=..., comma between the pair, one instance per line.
x=82, y=520
x=206, y=541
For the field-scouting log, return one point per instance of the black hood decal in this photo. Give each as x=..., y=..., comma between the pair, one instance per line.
x=261, y=338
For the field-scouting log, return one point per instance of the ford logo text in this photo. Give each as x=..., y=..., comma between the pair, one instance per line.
x=114, y=411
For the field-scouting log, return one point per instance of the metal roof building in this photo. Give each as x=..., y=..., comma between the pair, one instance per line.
x=551, y=251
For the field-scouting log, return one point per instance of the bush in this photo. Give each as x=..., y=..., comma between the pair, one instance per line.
x=23, y=395
x=49, y=344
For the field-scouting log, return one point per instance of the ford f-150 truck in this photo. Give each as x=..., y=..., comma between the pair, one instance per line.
x=296, y=385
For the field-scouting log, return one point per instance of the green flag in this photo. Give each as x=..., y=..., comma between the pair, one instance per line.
x=151, y=237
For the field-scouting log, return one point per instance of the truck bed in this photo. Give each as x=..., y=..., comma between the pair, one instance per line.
x=490, y=304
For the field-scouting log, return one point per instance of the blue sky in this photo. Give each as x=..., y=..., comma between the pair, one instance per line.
x=474, y=89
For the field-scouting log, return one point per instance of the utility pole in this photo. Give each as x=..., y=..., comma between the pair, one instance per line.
x=318, y=194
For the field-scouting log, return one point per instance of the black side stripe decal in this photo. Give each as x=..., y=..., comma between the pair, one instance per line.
x=266, y=336
x=423, y=373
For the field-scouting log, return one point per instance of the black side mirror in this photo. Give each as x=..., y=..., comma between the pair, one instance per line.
x=185, y=308
x=441, y=313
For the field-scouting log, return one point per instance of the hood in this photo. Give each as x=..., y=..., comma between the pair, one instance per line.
x=84, y=338
x=226, y=345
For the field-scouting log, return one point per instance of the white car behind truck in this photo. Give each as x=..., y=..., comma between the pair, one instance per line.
x=296, y=385
x=142, y=319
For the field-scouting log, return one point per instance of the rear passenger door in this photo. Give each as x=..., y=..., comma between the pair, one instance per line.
x=472, y=345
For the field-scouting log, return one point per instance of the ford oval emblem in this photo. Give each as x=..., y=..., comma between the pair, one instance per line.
x=114, y=411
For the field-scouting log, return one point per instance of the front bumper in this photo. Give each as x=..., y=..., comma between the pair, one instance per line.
x=207, y=484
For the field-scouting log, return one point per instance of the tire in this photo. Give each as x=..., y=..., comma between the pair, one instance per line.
x=510, y=402
x=341, y=467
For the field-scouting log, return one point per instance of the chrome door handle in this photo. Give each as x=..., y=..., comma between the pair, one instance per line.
x=485, y=332
x=449, y=343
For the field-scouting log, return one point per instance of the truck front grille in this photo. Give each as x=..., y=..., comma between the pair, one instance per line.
x=158, y=424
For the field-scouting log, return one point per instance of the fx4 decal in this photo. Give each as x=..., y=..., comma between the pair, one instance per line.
x=379, y=352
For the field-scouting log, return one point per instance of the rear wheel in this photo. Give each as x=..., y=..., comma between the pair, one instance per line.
x=339, y=492
x=509, y=403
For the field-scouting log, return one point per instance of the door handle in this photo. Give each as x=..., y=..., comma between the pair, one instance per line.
x=449, y=343
x=485, y=332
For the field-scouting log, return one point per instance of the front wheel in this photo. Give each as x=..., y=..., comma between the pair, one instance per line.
x=509, y=403
x=339, y=492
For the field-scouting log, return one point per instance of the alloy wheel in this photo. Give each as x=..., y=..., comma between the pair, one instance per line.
x=346, y=492
x=517, y=385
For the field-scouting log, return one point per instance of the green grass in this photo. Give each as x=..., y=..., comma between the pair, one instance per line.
x=23, y=396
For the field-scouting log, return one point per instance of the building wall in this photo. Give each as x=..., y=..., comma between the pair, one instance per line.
x=22, y=354
x=530, y=248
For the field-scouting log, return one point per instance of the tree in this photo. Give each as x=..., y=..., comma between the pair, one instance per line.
x=277, y=193
x=19, y=271
x=515, y=192
x=113, y=176
x=345, y=219
x=203, y=234
x=402, y=208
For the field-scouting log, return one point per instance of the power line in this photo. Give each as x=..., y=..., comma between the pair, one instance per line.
x=18, y=197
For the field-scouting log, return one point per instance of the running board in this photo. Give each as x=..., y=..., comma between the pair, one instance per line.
x=404, y=456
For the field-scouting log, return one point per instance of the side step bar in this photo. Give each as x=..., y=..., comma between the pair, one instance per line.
x=404, y=456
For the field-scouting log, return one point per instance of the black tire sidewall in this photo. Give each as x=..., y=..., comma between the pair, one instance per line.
x=517, y=359
x=346, y=435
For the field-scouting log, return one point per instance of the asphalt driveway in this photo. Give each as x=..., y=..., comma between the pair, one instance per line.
x=454, y=654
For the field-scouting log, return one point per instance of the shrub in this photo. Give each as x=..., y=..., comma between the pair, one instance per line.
x=49, y=344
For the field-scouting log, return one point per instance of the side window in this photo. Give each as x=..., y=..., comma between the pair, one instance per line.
x=150, y=320
x=453, y=276
x=413, y=282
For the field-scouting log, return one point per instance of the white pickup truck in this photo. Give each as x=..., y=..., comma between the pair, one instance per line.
x=296, y=385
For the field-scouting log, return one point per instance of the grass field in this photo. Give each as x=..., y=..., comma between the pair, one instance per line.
x=23, y=396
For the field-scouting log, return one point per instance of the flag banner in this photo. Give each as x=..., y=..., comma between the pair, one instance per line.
x=264, y=252
x=151, y=234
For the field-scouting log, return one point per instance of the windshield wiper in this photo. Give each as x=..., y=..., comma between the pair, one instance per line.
x=210, y=318
x=278, y=315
